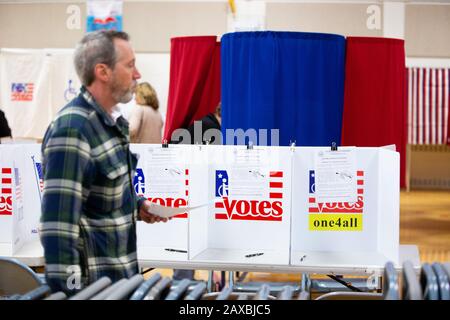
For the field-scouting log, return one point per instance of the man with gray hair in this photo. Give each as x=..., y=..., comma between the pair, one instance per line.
x=89, y=207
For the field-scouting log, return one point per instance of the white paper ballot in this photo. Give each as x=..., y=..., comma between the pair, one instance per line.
x=248, y=183
x=335, y=175
x=167, y=212
x=166, y=156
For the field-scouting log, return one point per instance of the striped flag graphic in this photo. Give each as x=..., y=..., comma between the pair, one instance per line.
x=6, y=191
x=428, y=105
x=266, y=210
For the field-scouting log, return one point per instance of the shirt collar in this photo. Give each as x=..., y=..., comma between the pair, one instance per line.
x=116, y=113
x=108, y=119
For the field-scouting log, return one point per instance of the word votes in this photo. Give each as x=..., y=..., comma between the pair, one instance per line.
x=253, y=207
x=169, y=202
x=338, y=207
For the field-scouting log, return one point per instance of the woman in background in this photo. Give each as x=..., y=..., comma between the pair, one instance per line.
x=145, y=120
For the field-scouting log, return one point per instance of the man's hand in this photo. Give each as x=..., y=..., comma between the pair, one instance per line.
x=146, y=216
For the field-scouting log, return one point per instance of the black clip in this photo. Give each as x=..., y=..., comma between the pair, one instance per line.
x=250, y=145
x=165, y=144
x=333, y=146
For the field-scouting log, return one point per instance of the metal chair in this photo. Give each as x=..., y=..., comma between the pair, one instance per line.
x=345, y=295
x=57, y=296
x=16, y=278
x=160, y=290
x=429, y=283
x=446, y=267
x=410, y=285
x=225, y=293
x=390, y=282
x=263, y=293
x=126, y=289
x=286, y=293
x=37, y=294
x=93, y=289
x=102, y=295
x=390, y=289
x=197, y=292
x=443, y=281
x=304, y=295
x=145, y=287
x=178, y=291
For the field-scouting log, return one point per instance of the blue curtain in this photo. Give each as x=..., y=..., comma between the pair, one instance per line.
x=291, y=81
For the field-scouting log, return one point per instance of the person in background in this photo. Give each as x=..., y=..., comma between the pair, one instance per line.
x=5, y=131
x=212, y=120
x=89, y=206
x=145, y=120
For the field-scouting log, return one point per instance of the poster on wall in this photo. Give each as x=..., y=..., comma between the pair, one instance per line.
x=104, y=15
x=246, y=15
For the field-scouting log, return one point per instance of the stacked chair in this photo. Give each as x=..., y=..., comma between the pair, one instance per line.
x=19, y=282
x=16, y=279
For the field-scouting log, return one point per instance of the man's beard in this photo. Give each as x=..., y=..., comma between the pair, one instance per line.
x=122, y=95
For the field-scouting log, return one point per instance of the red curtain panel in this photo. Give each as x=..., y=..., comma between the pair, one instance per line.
x=194, y=86
x=448, y=107
x=375, y=112
x=448, y=129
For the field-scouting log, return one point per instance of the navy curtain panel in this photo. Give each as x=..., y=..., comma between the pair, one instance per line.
x=375, y=101
x=194, y=85
x=291, y=81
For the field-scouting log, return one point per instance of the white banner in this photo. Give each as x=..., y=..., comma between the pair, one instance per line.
x=47, y=78
x=64, y=82
x=25, y=94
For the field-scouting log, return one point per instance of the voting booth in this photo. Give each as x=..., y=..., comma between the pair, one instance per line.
x=21, y=185
x=163, y=176
x=245, y=206
x=363, y=232
x=247, y=220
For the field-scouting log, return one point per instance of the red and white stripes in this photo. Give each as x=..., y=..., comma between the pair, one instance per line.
x=186, y=192
x=276, y=185
x=269, y=209
x=6, y=191
x=428, y=105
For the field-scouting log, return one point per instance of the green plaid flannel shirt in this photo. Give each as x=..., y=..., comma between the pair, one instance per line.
x=89, y=207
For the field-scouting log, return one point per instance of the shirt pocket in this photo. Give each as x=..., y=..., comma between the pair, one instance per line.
x=112, y=183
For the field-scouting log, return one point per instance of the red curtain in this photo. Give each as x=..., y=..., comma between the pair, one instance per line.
x=194, y=87
x=448, y=129
x=448, y=107
x=375, y=112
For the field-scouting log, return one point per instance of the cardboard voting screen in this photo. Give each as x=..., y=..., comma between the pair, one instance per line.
x=364, y=232
x=163, y=176
x=248, y=220
x=20, y=187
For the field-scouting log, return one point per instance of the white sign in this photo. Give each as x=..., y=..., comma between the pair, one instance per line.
x=335, y=175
